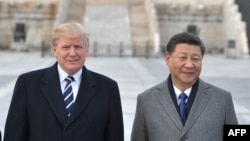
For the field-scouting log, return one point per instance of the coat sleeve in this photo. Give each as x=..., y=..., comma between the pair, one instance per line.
x=16, y=126
x=139, y=130
x=115, y=128
x=231, y=117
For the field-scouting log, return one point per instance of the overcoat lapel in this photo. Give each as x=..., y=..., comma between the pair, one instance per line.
x=168, y=105
x=86, y=92
x=200, y=102
x=53, y=94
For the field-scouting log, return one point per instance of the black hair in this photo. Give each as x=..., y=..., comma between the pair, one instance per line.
x=185, y=37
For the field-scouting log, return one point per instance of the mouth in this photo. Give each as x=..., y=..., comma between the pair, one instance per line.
x=188, y=73
x=72, y=61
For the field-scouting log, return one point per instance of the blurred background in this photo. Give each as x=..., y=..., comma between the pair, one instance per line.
x=128, y=27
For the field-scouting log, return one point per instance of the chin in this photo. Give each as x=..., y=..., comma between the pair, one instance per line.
x=189, y=80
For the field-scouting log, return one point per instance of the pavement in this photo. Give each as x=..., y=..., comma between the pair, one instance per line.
x=133, y=75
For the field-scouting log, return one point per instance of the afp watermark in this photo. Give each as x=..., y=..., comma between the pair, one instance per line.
x=237, y=132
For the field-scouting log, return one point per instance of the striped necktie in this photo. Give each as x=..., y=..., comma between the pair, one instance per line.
x=68, y=95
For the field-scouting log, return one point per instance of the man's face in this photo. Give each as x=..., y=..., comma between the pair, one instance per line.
x=71, y=53
x=184, y=65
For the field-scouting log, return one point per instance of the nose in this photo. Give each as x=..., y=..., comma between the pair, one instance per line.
x=189, y=63
x=72, y=51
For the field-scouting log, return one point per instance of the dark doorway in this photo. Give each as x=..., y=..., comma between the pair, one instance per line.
x=19, y=32
x=192, y=29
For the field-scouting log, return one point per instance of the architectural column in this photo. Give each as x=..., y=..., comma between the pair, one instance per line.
x=62, y=13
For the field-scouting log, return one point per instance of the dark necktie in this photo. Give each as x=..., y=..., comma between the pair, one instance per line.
x=182, y=106
x=68, y=95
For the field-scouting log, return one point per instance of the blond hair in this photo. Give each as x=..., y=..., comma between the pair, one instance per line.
x=69, y=30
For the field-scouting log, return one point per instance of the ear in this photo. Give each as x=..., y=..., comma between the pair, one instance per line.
x=167, y=56
x=53, y=50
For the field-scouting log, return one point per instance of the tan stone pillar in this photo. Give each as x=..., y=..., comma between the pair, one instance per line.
x=62, y=13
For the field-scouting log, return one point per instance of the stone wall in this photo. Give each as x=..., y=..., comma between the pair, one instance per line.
x=37, y=19
x=177, y=18
x=162, y=17
x=218, y=23
x=107, y=2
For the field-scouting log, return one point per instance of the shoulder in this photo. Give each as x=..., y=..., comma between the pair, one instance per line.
x=155, y=89
x=33, y=74
x=39, y=73
x=98, y=77
x=213, y=89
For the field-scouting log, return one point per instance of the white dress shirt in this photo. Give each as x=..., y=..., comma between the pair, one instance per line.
x=178, y=92
x=75, y=84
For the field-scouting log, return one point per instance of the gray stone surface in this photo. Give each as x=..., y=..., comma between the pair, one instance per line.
x=133, y=75
x=107, y=24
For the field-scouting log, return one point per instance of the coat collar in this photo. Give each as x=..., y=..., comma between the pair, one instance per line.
x=200, y=102
x=53, y=94
x=167, y=103
x=86, y=93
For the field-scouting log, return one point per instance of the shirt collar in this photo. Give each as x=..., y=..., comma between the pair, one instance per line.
x=63, y=75
x=178, y=92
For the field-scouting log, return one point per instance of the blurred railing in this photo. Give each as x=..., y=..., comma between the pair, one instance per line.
x=115, y=50
x=106, y=50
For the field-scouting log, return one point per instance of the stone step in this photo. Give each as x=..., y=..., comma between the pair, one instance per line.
x=135, y=2
x=139, y=31
x=76, y=12
x=137, y=9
